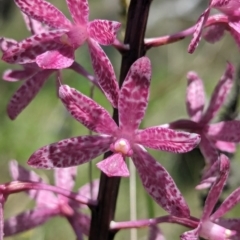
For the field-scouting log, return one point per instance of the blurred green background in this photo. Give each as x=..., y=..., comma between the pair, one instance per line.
x=45, y=120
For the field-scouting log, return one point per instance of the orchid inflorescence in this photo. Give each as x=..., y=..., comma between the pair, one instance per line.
x=48, y=50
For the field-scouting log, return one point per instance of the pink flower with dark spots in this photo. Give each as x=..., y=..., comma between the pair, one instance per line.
x=214, y=136
x=125, y=140
x=230, y=10
x=34, y=76
x=49, y=205
x=209, y=226
x=54, y=49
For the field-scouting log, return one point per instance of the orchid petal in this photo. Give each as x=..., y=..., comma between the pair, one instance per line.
x=16, y=75
x=230, y=223
x=70, y=152
x=228, y=131
x=155, y=233
x=198, y=30
x=25, y=94
x=28, y=49
x=191, y=235
x=114, y=166
x=169, y=140
x=87, y=111
x=42, y=198
x=73, y=220
x=84, y=223
x=44, y=12
x=104, y=72
x=195, y=96
x=6, y=43
x=34, y=26
x=225, y=146
x=217, y=187
x=134, y=94
x=208, y=150
x=103, y=31
x=56, y=59
x=220, y=94
x=28, y=220
x=214, y=33
x=65, y=177
x=234, y=30
x=231, y=201
x=90, y=190
x=229, y=7
x=79, y=10
x=159, y=184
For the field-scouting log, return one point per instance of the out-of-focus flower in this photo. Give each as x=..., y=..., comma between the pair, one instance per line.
x=54, y=49
x=214, y=33
x=207, y=228
x=124, y=141
x=215, y=136
x=155, y=233
x=49, y=205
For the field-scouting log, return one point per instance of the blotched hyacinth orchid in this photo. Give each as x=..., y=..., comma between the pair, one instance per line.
x=215, y=136
x=124, y=141
x=33, y=75
x=231, y=23
x=208, y=227
x=54, y=49
x=49, y=205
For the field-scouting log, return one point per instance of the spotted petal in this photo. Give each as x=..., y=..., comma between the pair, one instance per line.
x=215, y=32
x=114, y=166
x=159, y=184
x=87, y=111
x=103, y=31
x=134, y=94
x=79, y=10
x=16, y=75
x=167, y=139
x=191, y=235
x=27, y=50
x=195, y=97
x=28, y=220
x=220, y=94
x=6, y=43
x=104, y=72
x=44, y=12
x=34, y=26
x=70, y=152
x=226, y=146
x=63, y=57
x=216, y=188
x=228, y=131
x=25, y=94
x=198, y=30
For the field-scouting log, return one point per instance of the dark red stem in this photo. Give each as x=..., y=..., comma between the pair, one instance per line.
x=104, y=212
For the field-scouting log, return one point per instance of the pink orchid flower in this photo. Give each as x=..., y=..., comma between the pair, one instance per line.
x=214, y=33
x=214, y=136
x=210, y=226
x=49, y=205
x=124, y=141
x=33, y=75
x=54, y=49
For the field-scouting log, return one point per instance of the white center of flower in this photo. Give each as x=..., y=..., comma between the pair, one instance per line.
x=122, y=146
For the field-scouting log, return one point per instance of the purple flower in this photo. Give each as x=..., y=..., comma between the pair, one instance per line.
x=155, y=233
x=214, y=33
x=49, y=205
x=207, y=227
x=54, y=49
x=33, y=75
x=124, y=141
x=216, y=136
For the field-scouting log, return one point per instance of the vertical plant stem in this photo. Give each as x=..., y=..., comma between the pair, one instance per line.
x=104, y=212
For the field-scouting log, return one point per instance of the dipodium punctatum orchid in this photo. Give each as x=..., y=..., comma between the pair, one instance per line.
x=48, y=205
x=215, y=136
x=207, y=228
x=214, y=33
x=33, y=75
x=54, y=49
x=124, y=141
